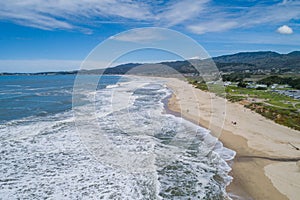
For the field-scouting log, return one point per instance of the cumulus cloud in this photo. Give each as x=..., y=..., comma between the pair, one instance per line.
x=285, y=30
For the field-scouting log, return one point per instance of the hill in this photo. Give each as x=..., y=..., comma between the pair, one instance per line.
x=240, y=62
x=262, y=61
x=265, y=60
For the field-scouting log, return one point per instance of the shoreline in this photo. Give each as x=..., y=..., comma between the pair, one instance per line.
x=262, y=146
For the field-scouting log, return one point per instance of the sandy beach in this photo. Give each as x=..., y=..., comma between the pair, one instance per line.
x=265, y=166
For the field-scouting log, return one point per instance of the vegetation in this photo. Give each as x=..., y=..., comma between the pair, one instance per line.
x=198, y=84
x=235, y=77
x=293, y=82
x=234, y=98
x=280, y=108
x=286, y=117
x=242, y=84
x=265, y=60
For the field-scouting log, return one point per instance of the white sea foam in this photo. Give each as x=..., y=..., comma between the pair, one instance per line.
x=126, y=149
x=113, y=86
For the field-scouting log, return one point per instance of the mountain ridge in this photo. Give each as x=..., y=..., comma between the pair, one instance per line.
x=238, y=62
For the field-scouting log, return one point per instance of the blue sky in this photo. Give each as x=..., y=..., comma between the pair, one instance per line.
x=38, y=35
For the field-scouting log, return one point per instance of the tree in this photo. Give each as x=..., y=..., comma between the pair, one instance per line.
x=242, y=84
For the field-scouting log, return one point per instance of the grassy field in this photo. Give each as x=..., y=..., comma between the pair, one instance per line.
x=282, y=109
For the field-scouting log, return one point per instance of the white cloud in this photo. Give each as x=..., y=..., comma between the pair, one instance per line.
x=194, y=58
x=65, y=14
x=199, y=16
x=213, y=26
x=285, y=30
x=222, y=19
x=140, y=35
x=70, y=14
x=276, y=13
x=181, y=11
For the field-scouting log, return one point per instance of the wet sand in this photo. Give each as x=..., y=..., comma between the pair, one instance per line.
x=264, y=150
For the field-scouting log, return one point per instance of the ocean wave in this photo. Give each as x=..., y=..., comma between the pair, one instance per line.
x=117, y=144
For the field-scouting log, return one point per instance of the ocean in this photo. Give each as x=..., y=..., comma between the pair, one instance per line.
x=115, y=141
